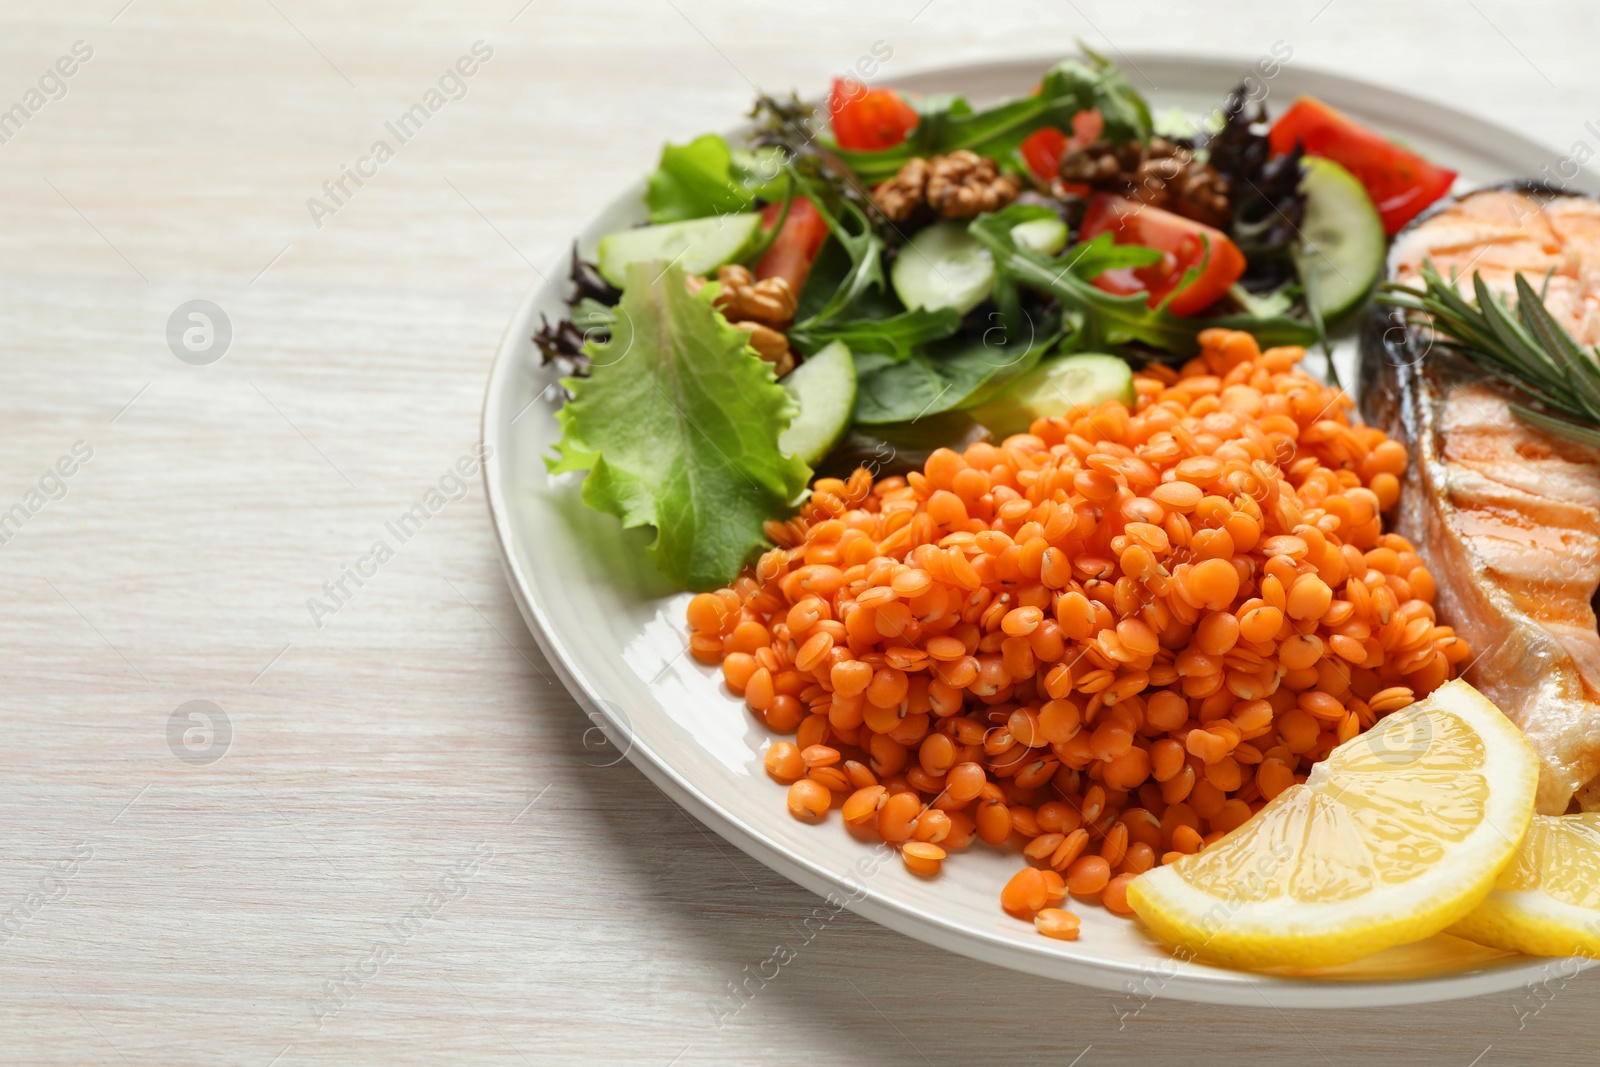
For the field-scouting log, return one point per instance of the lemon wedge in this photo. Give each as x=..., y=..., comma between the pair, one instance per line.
x=1399, y=833
x=1547, y=901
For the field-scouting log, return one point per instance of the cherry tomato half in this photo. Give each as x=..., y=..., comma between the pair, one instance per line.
x=1183, y=243
x=866, y=119
x=1043, y=149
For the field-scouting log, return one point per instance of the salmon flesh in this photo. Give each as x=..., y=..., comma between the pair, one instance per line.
x=1506, y=516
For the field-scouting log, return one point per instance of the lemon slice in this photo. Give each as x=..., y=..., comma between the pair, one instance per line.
x=1399, y=833
x=1547, y=901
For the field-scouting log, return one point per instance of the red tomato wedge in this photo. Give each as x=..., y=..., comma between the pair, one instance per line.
x=1043, y=149
x=867, y=120
x=795, y=248
x=1400, y=182
x=1183, y=243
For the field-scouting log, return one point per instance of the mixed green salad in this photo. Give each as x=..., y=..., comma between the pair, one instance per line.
x=885, y=274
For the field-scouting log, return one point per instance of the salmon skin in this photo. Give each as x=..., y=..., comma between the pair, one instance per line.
x=1506, y=516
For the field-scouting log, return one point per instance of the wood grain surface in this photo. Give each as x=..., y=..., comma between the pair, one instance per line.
x=407, y=851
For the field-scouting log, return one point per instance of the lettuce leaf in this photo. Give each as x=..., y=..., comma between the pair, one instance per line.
x=706, y=177
x=677, y=425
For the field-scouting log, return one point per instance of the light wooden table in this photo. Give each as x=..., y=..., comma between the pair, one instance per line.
x=407, y=853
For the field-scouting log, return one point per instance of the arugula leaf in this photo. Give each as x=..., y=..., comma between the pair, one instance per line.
x=706, y=177
x=1308, y=285
x=1108, y=319
x=1126, y=112
x=894, y=336
x=949, y=123
x=850, y=227
x=1091, y=258
x=945, y=376
x=1279, y=301
x=677, y=425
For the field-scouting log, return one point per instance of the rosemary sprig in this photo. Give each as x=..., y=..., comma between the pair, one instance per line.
x=1527, y=349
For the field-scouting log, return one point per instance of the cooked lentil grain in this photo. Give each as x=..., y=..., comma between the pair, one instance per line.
x=1115, y=636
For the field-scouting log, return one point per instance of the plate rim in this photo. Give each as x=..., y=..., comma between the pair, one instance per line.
x=1201, y=985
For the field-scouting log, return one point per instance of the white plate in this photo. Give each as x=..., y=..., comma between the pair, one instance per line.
x=616, y=635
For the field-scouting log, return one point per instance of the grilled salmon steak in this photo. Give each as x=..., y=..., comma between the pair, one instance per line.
x=1499, y=233
x=1506, y=515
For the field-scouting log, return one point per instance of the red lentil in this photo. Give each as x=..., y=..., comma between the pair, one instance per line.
x=808, y=800
x=783, y=762
x=1115, y=894
x=1026, y=893
x=922, y=858
x=1115, y=636
x=1056, y=923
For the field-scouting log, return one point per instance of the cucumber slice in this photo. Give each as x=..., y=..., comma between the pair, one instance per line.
x=699, y=246
x=1044, y=236
x=1053, y=388
x=1341, y=252
x=825, y=388
x=943, y=266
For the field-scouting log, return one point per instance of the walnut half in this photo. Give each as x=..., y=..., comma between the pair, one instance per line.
x=771, y=301
x=1161, y=174
x=764, y=308
x=901, y=196
x=745, y=311
x=770, y=345
x=964, y=184
x=957, y=186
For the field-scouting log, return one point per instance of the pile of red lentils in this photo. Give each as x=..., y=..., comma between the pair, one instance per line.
x=1108, y=641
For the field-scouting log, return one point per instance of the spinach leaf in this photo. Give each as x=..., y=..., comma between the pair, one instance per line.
x=828, y=272
x=946, y=375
